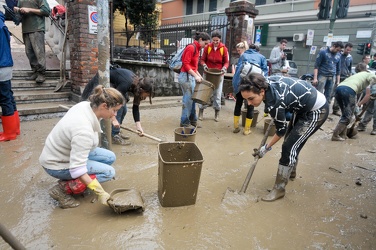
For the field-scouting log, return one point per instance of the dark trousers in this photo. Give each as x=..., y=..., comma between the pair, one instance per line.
x=120, y=115
x=7, y=103
x=300, y=128
x=35, y=51
x=238, y=107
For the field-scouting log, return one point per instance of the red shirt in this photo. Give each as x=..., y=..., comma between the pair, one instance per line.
x=215, y=60
x=190, y=57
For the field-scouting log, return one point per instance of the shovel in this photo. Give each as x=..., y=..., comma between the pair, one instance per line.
x=144, y=134
x=353, y=131
x=250, y=172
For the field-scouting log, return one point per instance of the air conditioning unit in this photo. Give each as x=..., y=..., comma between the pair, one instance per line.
x=298, y=37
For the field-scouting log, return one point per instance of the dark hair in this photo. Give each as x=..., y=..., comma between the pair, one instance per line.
x=283, y=41
x=348, y=45
x=110, y=96
x=255, y=47
x=203, y=35
x=360, y=67
x=216, y=33
x=338, y=44
x=140, y=86
x=254, y=82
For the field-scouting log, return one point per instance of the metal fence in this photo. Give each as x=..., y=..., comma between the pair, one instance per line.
x=159, y=45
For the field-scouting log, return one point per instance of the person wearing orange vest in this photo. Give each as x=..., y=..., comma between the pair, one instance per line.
x=215, y=56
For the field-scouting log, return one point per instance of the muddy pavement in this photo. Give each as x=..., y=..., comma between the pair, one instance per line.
x=331, y=204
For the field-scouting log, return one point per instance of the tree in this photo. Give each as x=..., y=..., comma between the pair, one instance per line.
x=140, y=14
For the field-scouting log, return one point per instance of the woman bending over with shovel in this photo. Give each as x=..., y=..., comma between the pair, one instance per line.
x=282, y=95
x=126, y=82
x=71, y=153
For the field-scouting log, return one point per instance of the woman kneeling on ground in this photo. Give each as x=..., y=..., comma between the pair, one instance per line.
x=71, y=153
x=282, y=95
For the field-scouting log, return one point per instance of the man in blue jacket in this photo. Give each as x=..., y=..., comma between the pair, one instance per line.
x=10, y=118
x=327, y=69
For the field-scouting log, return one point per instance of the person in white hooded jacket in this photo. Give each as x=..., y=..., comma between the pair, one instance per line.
x=71, y=151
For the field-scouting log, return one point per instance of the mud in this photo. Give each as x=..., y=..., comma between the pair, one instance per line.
x=323, y=208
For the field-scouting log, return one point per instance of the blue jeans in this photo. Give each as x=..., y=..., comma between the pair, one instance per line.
x=120, y=118
x=7, y=103
x=346, y=98
x=99, y=163
x=325, y=86
x=187, y=84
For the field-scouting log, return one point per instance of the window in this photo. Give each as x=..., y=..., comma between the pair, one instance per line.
x=260, y=2
x=200, y=6
x=212, y=5
x=189, y=7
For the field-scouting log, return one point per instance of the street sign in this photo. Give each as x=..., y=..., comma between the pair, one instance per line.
x=258, y=37
x=310, y=35
x=93, y=19
x=313, y=50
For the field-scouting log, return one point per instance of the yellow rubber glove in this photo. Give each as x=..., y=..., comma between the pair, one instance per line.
x=103, y=196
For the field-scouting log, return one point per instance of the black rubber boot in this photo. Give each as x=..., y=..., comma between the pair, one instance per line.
x=337, y=131
x=293, y=172
x=281, y=181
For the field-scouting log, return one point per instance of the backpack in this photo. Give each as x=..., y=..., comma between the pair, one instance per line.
x=248, y=68
x=220, y=50
x=176, y=63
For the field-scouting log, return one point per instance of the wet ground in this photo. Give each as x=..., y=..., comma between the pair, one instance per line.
x=331, y=204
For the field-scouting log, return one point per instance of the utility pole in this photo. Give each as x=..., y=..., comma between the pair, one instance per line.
x=103, y=38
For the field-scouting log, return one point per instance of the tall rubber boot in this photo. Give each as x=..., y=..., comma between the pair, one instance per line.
x=65, y=201
x=216, y=115
x=343, y=134
x=200, y=114
x=281, y=181
x=236, y=124
x=9, y=128
x=337, y=131
x=293, y=172
x=247, y=127
x=18, y=130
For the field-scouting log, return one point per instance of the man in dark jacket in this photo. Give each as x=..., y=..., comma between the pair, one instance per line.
x=33, y=13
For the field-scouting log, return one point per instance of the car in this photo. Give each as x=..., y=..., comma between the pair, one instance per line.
x=134, y=53
x=158, y=55
x=292, y=68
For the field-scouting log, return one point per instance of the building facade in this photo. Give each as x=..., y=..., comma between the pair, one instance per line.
x=293, y=20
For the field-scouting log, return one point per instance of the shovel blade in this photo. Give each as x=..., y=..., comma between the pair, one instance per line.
x=236, y=198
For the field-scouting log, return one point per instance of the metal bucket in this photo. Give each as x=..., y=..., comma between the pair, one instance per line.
x=179, y=171
x=202, y=92
x=214, y=76
x=185, y=134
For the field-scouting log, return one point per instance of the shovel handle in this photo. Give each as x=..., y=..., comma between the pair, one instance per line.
x=252, y=169
x=144, y=134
